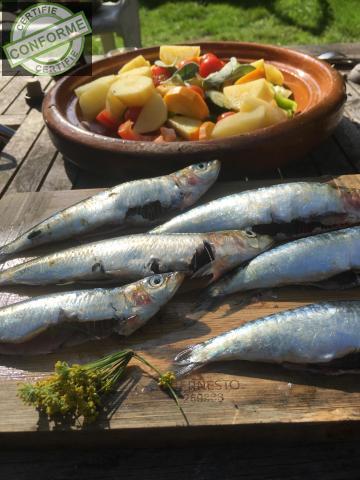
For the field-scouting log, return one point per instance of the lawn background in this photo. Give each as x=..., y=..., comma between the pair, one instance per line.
x=269, y=21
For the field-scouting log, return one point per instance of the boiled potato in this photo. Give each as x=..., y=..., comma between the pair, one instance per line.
x=273, y=114
x=140, y=71
x=93, y=99
x=260, y=88
x=259, y=64
x=187, y=102
x=136, y=62
x=133, y=90
x=241, y=122
x=107, y=80
x=114, y=105
x=152, y=116
x=173, y=54
x=186, y=127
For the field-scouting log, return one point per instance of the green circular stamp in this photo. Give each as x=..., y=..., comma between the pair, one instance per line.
x=47, y=39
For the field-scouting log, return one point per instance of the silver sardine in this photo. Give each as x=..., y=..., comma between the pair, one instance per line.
x=140, y=202
x=132, y=257
x=130, y=306
x=306, y=202
x=314, y=334
x=304, y=261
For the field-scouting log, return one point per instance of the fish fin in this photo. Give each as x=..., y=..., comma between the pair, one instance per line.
x=183, y=363
x=204, y=271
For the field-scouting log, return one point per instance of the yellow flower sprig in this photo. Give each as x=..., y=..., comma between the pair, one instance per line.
x=77, y=392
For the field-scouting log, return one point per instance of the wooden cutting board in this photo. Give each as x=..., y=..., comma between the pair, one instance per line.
x=222, y=401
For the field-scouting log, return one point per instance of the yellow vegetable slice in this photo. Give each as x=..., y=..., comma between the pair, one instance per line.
x=136, y=62
x=107, y=80
x=140, y=71
x=186, y=127
x=273, y=74
x=114, y=105
x=273, y=114
x=241, y=122
x=132, y=90
x=187, y=102
x=152, y=116
x=173, y=54
x=260, y=88
x=259, y=64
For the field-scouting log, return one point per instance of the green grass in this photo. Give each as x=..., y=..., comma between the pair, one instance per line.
x=268, y=21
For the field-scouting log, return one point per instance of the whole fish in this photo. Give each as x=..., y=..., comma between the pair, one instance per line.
x=314, y=334
x=304, y=261
x=140, y=202
x=130, y=307
x=132, y=257
x=293, y=204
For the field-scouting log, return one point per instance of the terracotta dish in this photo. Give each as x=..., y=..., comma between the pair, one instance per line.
x=318, y=89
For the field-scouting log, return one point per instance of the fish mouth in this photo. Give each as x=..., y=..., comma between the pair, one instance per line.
x=174, y=280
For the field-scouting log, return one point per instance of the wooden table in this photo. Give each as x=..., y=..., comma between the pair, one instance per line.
x=29, y=163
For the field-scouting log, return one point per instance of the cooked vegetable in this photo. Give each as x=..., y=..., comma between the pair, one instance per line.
x=273, y=74
x=229, y=73
x=286, y=103
x=198, y=89
x=210, y=63
x=93, y=99
x=173, y=54
x=133, y=91
x=152, y=115
x=241, y=122
x=114, y=105
x=205, y=131
x=136, y=62
x=260, y=88
x=140, y=71
x=186, y=127
x=187, y=102
x=107, y=80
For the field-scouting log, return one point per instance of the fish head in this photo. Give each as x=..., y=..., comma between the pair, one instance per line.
x=234, y=247
x=154, y=290
x=195, y=180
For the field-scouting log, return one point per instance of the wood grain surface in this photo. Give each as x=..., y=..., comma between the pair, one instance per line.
x=221, y=399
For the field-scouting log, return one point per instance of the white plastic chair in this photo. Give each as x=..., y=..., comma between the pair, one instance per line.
x=120, y=18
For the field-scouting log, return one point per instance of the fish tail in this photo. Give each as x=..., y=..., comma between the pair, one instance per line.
x=184, y=362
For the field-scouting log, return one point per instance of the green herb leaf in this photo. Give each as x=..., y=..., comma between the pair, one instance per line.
x=230, y=72
x=184, y=73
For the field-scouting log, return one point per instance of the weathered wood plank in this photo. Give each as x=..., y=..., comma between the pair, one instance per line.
x=12, y=156
x=11, y=91
x=20, y=105
x=35, y=166
x=61, y=176
x=220, y=395
x=12, y=120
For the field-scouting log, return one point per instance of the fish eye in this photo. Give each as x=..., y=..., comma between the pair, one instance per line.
x=156, y=281
x=250, y=233
x=201, y=166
